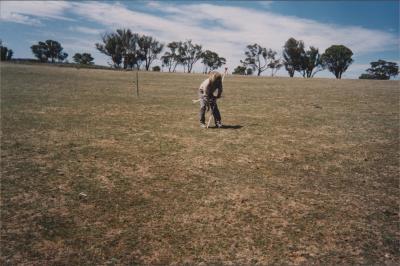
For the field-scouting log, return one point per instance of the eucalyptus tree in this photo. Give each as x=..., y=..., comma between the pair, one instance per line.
x=337, y=59
x=312, y=62
x=83, y=59
x=49, y=49
x=191, y=53
x=150, y=48
x=258, y=58
x=381, y=69
x=211, y=61
x=112, y=47
x=172, y=58
x=293, y=53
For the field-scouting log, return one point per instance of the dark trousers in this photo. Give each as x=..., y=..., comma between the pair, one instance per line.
x=210, y=103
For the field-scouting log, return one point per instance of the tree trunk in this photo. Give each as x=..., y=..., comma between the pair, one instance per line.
x=125, y=63
x=337, y=74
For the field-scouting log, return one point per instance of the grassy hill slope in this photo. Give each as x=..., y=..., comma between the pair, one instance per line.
x=305, y=172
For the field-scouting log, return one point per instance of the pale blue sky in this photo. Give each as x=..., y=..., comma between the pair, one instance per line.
x=369, y=28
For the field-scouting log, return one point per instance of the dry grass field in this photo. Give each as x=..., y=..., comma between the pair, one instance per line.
x=306, y=171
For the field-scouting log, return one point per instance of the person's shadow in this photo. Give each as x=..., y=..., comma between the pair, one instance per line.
x=229, y=127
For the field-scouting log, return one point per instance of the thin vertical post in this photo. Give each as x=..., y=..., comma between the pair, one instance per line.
x=137, y=82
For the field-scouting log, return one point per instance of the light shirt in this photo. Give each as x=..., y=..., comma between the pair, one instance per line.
x=203, y=86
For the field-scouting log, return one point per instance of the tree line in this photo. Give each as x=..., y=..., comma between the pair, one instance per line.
x=308, y=62
x=296, y=58
x=52, y=51
x=129, y=50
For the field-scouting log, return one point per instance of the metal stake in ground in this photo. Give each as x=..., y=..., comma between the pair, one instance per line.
x=137, y=82
x=211, y=116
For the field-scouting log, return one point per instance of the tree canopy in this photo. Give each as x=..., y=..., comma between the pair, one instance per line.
x=337, y=59
x=258, y=58
x=239, y=70
x=296, y=58
x=130, y=49
x=149, y=49
x=172, y=58
x=311, y=62
x=49, y=50
x=185, y=54
x=83, y=59
x=381, y=69
x=190, y=54
x=5, y=53
x=275, y=65
x=122, y=47
x=293, y=51
x=212, y=61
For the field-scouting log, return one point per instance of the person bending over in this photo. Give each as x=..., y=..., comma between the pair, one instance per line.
x=208, y=100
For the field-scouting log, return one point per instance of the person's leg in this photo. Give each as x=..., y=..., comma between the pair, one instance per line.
x=202, y=113
x=216, y=114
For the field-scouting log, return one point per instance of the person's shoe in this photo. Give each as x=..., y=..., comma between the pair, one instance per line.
x=202, y=125
x=218, y=125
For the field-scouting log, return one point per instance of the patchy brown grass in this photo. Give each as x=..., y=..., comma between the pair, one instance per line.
x=306, y=174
